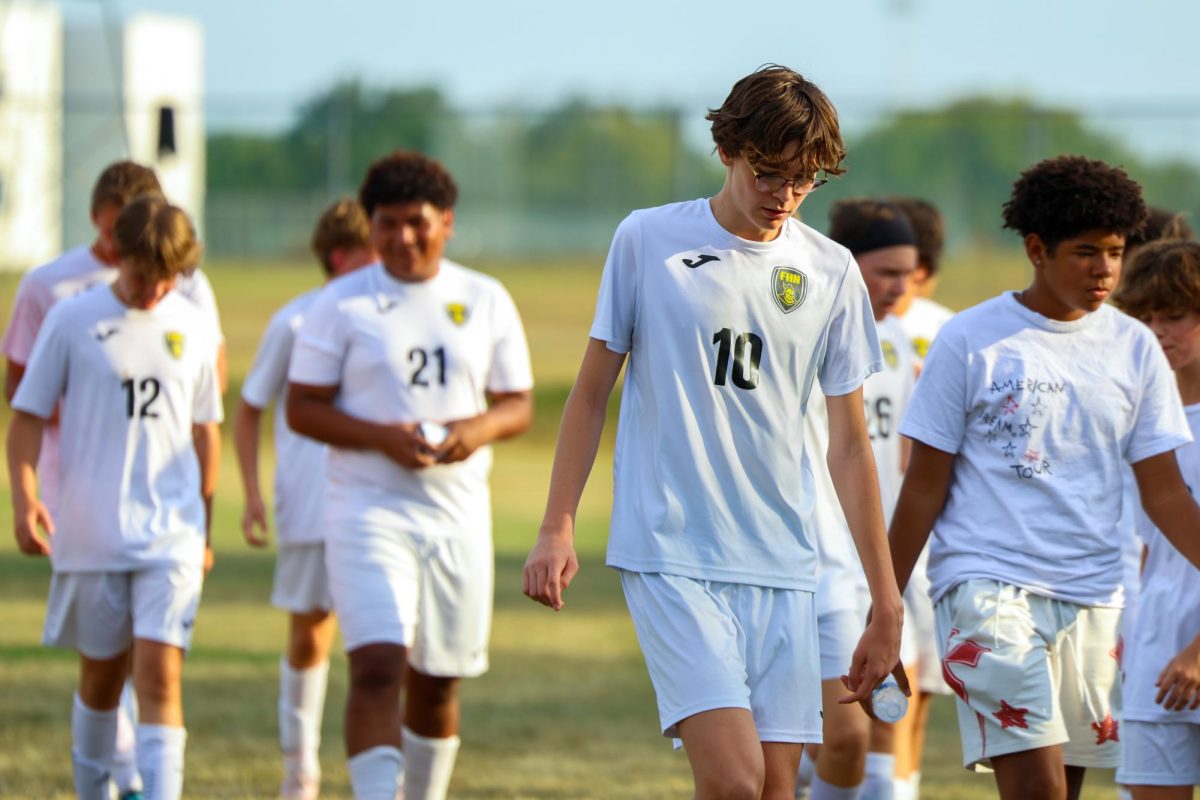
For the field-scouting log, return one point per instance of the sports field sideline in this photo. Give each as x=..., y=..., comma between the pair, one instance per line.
x=566, y=710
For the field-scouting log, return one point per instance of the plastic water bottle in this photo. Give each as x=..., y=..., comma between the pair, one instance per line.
x=888, y=702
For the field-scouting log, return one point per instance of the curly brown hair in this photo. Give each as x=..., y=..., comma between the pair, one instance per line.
x=1163, y=276
x=1065, y=196
x=772, y=109
x=407, y=177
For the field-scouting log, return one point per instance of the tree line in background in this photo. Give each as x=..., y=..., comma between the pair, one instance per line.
x=579, y=159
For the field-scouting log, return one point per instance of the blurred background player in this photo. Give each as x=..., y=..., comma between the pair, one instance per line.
x=920, y=316
x=128, y=537
x=414, y=339
x=884, y=244
x=341, y=242
x=711, y=532
x=1161, y=223
x=1160, y=733
x=72, y=273
x=1027, y=407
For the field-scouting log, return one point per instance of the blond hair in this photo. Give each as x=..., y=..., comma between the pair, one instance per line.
x=344, y=225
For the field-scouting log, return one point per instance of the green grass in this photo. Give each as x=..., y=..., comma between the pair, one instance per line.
x=566, y=710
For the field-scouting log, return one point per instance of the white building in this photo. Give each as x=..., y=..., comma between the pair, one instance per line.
x=78, y=91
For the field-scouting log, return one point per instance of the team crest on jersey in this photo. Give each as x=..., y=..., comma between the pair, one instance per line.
x=890, y=356
x=788, y=287
x=458, y=313
x=174, y=342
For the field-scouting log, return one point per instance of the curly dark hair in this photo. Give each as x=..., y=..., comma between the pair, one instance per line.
x=1063, y=197
x=407, y=177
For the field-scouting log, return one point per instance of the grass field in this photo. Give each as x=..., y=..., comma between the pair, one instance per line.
x=566, y=710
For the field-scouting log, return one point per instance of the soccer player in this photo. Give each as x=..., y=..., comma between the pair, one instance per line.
x=919, y=314
x=341, y=243
x=728, y=309
x=1026, y=409
x=408, y=369
x=1160, y=732
x=1160, y=224
x=72, y=273
x=131, y=368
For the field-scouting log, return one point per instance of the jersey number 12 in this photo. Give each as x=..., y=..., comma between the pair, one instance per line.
x=146, y=390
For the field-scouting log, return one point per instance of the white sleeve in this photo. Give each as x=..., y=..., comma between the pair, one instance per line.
x=1160, y=423
x=852, y=352
x=511, y=370
x=268, y=373
x=45, y=377
x=320, y=344
x=206, y=403
x=29, y=310
x=200, y=291
x=937, y=413
x=617, y=303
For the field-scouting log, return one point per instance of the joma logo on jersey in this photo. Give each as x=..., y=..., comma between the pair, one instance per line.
x=174, y=342
x=458, y=313
x=890, y=356
x=788, y=287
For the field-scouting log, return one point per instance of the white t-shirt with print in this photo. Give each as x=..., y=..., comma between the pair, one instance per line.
x=131, y=385
x=726, y=338
x=1169, y=608
x=299, y=461
x=1042, y=415
x=409, y=352
x=885, y=397
x=922, y=322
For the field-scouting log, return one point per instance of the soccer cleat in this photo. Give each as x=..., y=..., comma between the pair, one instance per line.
x=300, y=787
x=135, y=794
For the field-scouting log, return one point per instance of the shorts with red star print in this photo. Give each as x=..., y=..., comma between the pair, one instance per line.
x=1030, y=672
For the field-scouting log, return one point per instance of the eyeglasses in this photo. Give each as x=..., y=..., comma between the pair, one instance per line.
x=765, y=182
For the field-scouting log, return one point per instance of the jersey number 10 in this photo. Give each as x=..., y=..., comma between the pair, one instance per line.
x=745, y=370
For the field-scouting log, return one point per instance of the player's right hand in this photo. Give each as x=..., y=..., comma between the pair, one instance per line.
x=27, y=523
x=550, y=568
x=404, y=444
x=254, y=523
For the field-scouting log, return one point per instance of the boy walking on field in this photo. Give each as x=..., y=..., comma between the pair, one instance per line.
x=1027, y=408
x=1160, y=733
x=728, y=310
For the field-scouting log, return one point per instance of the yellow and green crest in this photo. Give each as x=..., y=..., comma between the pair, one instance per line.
x=174, y=342
x=458, y=313
x=788, y=287
x=890, y=356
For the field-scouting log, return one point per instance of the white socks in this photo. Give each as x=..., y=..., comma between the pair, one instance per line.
x=375, y=773
x=301, y=708
x=160, y=758
x=827, y=791
x=124, y=757
x=429, y=763
x=879, y=783
x=93, y=734
x=907, y=788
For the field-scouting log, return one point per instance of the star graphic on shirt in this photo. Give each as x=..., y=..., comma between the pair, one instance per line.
x=1010, y=450
x=1118, y=652
x=1011, y=717
x=1038, y=408
x=966, y=652
x=1010, y=405
x=1106, y=730
x=1026, y=428
x=991, y=436
x=1033, y=456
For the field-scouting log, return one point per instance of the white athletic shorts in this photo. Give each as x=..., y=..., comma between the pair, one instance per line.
x=301, y=580
x=920, y=624
x=99, y=614
x=1159, y=754
x=431, y=594
x=1031, y=672
x=712, y=645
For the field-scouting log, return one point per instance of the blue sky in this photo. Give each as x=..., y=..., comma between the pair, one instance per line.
x=1128, y=68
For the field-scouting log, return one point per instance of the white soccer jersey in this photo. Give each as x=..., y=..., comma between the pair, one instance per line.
x=74, y=272
x=1042, y=415
x=885, y=397
x=841, y=582
x=299, y=461
x=408, y=352
x=726, y=337
x=131, y=385
x=922, y=322
x=1169, y=608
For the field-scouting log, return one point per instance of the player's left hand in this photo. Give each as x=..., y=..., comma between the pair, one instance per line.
x=1179, y=683
x=877, y=655
x=463, y=438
